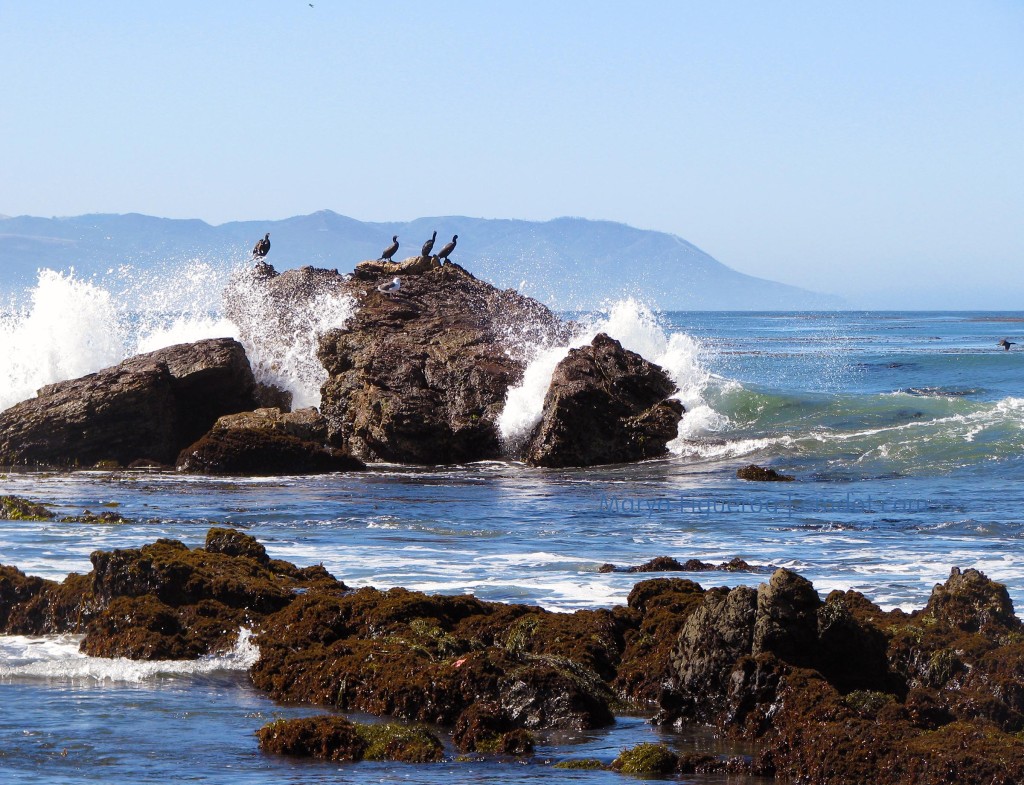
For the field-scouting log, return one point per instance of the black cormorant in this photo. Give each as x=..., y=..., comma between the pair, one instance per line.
x=428, y=246
x=1007, y=344
x=447, y=250
x=390, y=251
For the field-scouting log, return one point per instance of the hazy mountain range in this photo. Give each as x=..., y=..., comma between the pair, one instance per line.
x=569, y=263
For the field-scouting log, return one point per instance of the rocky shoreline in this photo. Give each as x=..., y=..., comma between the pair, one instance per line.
x=417, y=376
x=831, y=690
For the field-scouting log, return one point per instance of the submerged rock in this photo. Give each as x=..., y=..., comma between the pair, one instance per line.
x=335, y=738
x=605, y=404
x=146, y=408
x=14, y=508
x=756, y=473
x=267, y=442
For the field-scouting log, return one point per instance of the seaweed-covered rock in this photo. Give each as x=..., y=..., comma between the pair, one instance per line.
x=267, y=442
x=146, y=408
x=425, y=658
x=337, y=739
x=646, y=758
x=841, y=691
x=14, y=508
x=605, y=404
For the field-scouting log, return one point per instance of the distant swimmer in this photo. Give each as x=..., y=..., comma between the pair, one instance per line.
x=390, y=251
x=1006, y=344
x=428, y=246
x=391, y=287
x=447, y=250
x=262, y=248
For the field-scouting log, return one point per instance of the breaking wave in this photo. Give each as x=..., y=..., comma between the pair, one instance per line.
x=58, y=657
x=638, y=329
x=70, y=326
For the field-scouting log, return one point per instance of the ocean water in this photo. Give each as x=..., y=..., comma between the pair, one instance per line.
x=904, y=431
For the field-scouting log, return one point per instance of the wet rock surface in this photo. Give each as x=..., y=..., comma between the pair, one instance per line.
x=267, y=442
x=839, y=691
x=420, y=375
x=755, y=473
x=605, y=404
x=147, y=408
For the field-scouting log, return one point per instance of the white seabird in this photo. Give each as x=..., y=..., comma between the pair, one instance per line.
x=391, y=287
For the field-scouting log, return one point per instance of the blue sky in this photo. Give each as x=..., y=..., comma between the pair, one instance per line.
x=869, y=149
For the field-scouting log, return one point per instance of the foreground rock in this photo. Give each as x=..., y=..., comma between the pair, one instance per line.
x=146, y=409
x=604, y=405
x=829, y=691
x=839, y=691
x=420, y=376
x=267, y=442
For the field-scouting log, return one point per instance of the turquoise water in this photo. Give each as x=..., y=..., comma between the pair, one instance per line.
x=905, y=432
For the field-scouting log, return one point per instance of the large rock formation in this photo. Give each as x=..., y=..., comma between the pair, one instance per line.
x=147, y=408
x=604, y=405
x=420, y=375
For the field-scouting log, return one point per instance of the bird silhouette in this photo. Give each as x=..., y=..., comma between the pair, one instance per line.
x=447, y=250
x=428, y=246
x=262, y=248
x=1006, y=344
x=390, y=251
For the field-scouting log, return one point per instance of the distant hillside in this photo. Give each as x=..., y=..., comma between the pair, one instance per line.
x=569, y=263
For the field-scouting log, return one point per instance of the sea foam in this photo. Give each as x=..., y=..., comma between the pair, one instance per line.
x=58, y=657
x=70, y=326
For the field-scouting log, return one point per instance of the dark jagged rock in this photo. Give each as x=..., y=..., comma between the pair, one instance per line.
x=841, y=691
x=671, y=564
x=166, y=601
x=434, y=657
x=421, y=376
x=756, y=473
x=267, y=442
x=149, y=407
x=605, y=404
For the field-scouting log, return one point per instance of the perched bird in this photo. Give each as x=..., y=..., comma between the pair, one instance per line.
x=447, y=250
x=428, y=246
x=390, y=251
x=391, y=287
x=262, y=248
x=1006, y=344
